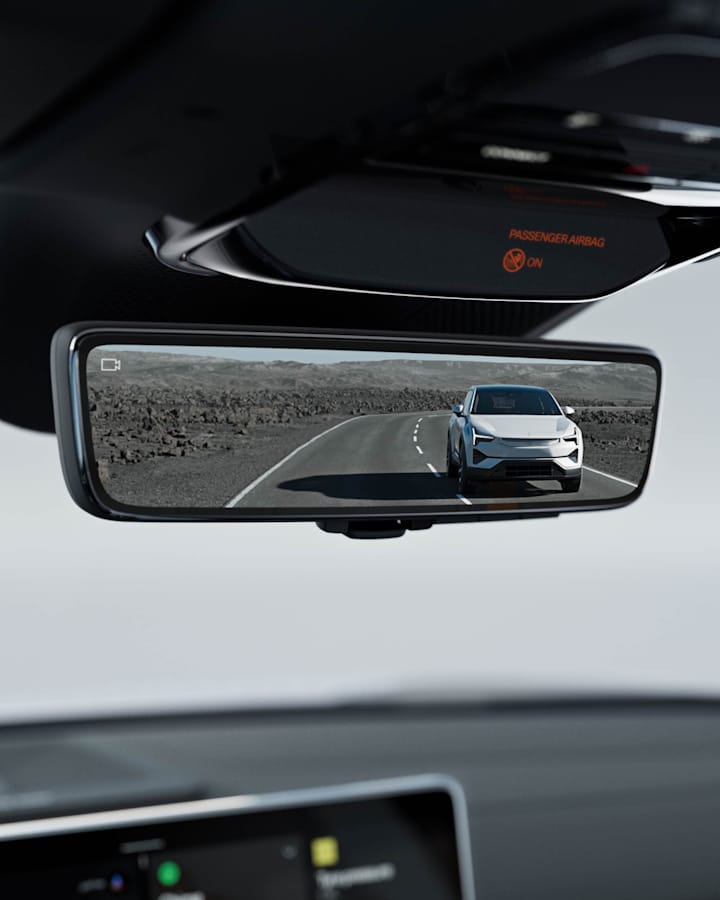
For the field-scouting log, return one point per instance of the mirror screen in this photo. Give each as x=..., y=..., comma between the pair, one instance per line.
x=288, y=431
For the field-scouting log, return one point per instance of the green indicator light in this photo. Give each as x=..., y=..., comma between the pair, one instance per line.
x=168, y=873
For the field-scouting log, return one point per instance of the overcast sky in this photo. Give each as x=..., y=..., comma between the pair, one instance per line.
x=106, y=616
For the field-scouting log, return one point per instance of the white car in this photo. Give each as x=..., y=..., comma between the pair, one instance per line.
x=513, y=432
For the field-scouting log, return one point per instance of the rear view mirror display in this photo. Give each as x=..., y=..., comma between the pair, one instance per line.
x=309, y=428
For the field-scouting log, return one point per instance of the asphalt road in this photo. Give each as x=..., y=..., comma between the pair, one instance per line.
x=391, y=459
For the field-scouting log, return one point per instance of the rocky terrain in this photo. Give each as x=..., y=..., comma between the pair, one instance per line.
x=173, y=445
x=616, y=440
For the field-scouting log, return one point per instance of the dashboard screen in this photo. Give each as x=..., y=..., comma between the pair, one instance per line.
x=405, y=845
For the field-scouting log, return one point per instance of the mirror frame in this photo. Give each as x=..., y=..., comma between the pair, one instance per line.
x=72, y=343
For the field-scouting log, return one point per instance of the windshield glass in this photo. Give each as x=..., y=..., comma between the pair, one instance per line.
x=105, y=617
x=514, y=401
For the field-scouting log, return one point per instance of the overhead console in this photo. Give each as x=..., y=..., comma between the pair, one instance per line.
x=401, y=839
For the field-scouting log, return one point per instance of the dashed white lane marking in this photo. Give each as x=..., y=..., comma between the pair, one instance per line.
x=420, y=419
x=432, y=467
x=253, y=484
x=614, y=477
x=415, y=438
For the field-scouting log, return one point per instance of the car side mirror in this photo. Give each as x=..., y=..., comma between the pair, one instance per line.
x=458, y=409
x=569, y=410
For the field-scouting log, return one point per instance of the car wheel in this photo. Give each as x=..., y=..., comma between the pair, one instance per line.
x=450, y=464
x=571, y=485
x=462, y=474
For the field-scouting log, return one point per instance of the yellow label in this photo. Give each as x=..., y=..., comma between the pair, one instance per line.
x=324, y=851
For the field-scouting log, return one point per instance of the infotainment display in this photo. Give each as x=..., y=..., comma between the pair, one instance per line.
x=404, y=839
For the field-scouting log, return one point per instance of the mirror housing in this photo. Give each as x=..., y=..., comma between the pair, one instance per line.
x=170, y=423
x=401, y=229
x=569, y=410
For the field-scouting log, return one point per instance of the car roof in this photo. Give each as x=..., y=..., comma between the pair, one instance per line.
x=509, y=387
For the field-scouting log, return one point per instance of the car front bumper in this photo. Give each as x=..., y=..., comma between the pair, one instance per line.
x=525, y=469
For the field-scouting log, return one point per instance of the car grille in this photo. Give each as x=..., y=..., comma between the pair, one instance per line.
x=531, y=442
x=530, y=469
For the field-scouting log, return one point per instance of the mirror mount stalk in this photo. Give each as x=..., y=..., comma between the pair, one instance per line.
x=363, y=529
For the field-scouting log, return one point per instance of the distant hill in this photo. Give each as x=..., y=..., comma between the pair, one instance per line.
x=614, y=383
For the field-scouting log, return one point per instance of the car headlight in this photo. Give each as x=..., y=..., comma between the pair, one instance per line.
x=481, y=437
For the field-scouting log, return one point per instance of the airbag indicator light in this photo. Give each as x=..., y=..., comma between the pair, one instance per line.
x=514, y=260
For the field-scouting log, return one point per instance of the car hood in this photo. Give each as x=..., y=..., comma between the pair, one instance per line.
x=522, y=426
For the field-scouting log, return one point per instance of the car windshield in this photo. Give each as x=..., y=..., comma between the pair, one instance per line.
x=101, y=616
x=514, y=401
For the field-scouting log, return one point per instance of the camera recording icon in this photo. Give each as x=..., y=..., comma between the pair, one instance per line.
x=109, y=365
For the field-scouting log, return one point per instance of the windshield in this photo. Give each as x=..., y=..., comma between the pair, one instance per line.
x=514, y=401
x=104, y=617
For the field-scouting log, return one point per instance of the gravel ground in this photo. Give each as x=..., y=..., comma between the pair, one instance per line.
x=202, y=477
x=616, y=441
x=165, y=446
